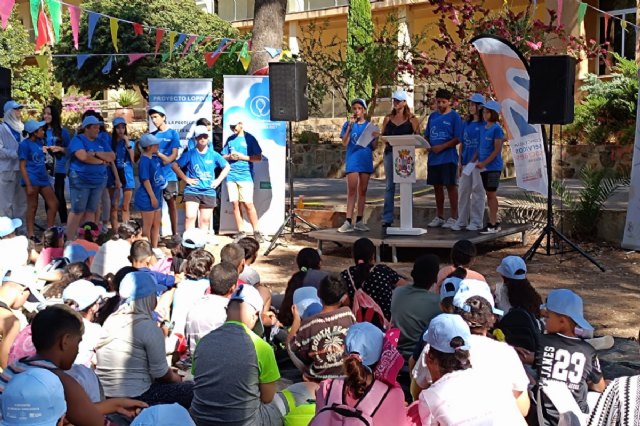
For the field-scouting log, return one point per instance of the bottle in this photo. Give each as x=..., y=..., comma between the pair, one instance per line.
x=301, y=202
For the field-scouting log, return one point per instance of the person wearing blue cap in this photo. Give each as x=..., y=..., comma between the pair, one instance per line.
x=148, y=197
x=120, y=172
x=35, y=178
x=490, y=161
x=358, y=164
x=169, y=141
x=13, y=202
x=471, y=193
x=58, y=140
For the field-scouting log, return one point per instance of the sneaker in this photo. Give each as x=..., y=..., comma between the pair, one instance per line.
x=346, y=227
x=238, y=236
x=436, y=222
x=257, y=235
x=456, y=227
x=497, y=227
x=449, y=223
x=490, y=229
x=472, y=227
x=360, y=226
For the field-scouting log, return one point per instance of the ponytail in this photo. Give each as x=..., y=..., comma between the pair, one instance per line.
x=356, y=375
x=363, y=251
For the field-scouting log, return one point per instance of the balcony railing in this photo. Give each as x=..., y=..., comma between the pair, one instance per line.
x=241, y=10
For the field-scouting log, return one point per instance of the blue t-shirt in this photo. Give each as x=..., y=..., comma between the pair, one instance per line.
x=202, y=167
x=149, y=169
x=359, y=158
x=241, y=171
x=61, y=159
x=471, y=140
x=92, y=174
x=441, y=128
x=31, y=152
x=169, y=140
x=488, y=137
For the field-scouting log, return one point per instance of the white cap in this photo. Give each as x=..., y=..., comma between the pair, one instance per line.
x=84, y=293
x=200, y=130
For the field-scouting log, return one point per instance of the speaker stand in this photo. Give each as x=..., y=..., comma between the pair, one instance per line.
x=550, y=229
x=291, y=217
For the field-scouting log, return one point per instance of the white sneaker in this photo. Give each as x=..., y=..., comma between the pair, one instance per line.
x=360, y=226
x=346, y=227
x=436, y=222
x=456, y=227
x=472, y=227
x=449, y=223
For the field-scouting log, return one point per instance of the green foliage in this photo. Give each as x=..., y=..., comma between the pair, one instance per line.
x=359, y=37
x=127, y=98
x=177, y=15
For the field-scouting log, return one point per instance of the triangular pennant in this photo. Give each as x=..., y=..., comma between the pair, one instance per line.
x=92, y=21
x=6, y=7
x=560, y=6
x=582, y=10
x=43, y=62
x=205, y=41
x=181, y=40
x=199, y=40
x=43, y=31
x=211, y=58
x=172, y=38
x=74, y=18
x=134, y=57
x=623, y=24
x=55, y=11
x=113, y=26
x=165, y=56
x=159, y=35
x=107, y=67
x=244, y=60
x=191, y=40
x=81, y=59
x=273, y=52
x=606, y=26
x=244, y=52
x=234, y=47
x=34, y=8
x=137, y=29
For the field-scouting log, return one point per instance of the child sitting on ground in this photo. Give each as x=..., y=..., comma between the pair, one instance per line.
x=53, y=242
x=142, y=258
x=251, y=247
x=463, y=254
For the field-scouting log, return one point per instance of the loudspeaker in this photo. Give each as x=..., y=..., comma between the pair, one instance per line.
x=288, y=91
x=551, y=88
x=5, y=88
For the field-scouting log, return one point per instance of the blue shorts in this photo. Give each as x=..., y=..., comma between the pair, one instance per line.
x=442, y=174
x=84, y=197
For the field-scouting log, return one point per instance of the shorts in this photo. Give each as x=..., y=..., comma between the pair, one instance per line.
x=205, y=201
x=490, y=180
x=122, y=177
x=170, y=191
x=84, y=197
x=442, y=174
x=240, y=191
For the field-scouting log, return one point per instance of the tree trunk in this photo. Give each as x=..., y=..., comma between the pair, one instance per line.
x=268, y=31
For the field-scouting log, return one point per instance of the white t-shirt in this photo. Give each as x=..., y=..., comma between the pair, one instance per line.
x=207, y=314
x=111, y=257
x=470, y=398
x=14, y=252
x=187, y=294
x=249, y=276
x=87, y=348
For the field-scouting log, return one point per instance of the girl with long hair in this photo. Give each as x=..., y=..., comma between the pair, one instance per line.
x=123, y=165
x=58, y=140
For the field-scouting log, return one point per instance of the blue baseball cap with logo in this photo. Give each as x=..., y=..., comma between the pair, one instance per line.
x=158, y=109
x=8, y=225
x=513, y=267
x=366, y=340
x=31, y=126
x=477, y=98
x=148, y=139
x=11, y=104
x=443, y=329
x=118, y=121
x=565, y=302
x=90, y=120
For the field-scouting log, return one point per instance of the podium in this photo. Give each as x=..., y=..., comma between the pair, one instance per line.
x=404, y=174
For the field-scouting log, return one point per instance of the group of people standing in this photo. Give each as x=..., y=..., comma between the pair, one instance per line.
x=454, y=144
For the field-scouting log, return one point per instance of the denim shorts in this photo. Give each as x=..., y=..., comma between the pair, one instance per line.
x=84, y=196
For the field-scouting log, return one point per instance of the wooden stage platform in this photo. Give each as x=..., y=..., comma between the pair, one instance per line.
x=434, y=238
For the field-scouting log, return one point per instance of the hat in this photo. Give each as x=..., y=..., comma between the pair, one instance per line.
x=449, y=287
x=444, y=328
x=90, y=120
x=248, y=293
x=364, y=339
x=25, y=276
x=160, y=110
x=118, y=121
x=137, y=285
x=31, y=126
x=399, y=95
x=163, y=415
x=84, y=293
x=11, y=104
x=200, y=130
x=477, y=98
x=360, y=101
x=470, y=288
x=566, y=302
x=8, y=225
x=492, y=105
x=513, y=267
x=34, y=397
x=194, y=238
x=148, y=139
x=77, y=253
x=307, y=301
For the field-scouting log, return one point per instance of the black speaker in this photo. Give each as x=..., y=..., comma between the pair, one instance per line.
x=551, y=89
x=288, y=91
x=5, y=88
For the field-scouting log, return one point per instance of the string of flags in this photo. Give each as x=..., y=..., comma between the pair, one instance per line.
x=582, y=11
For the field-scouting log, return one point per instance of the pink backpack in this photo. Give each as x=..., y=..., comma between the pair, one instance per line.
x=365, y=309
x=336, y=412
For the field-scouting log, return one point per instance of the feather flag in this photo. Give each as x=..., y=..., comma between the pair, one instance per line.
x=34, y=8
x=55, y=11
x=582, y=10
x=92, y=21
x=43, y=31
x=107, y=67
x=137, y=29
x=5, y=11
x=81, y=59
x=190, y=42
x=74, y=18
x=135, y=56
x=113, y=25
x=159, y=35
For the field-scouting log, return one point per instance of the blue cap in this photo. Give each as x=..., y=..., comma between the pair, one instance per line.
x=399, y=95
x=8, y=225
x=148, y=139
x=365, y=339
x=307, y=301
x=247, y=293
x=477, y=98
x=160, y=110
x=137, y=285
x=77, y=253
x=359, y=101
x=33, y=398
x=513, y=267
x=449, y=287
x=11, y=104
x=492, y=105
x=163, y=415
x=31, y=126
x=91, y=120
x=443, y=329
x=566, y=302
x=118, y=121
x=470, y=288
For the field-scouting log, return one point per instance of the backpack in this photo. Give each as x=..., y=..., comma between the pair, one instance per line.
x=364, y=308
x=520, y=328
x=336, y=412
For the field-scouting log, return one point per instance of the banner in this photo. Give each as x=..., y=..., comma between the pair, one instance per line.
x=631, y=236
x=185, y=101
x=246, y=98
x=509, y=76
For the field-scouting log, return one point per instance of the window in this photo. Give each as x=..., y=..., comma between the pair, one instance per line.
x=621, y=41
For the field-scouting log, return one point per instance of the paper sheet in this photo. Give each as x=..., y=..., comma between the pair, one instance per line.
x=468, y=169
x=367, y=135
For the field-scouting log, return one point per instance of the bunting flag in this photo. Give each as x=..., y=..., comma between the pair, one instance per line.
x=92, y=20
x=560, y=4
x=80, y=60
x=55, y=12
x=606, y=26
x=165, y=56
x=137, y=29
x=113, y=25
x=43, y=31
x=159, y=35
x=135, y=56
x=6, y=7
x=273, y=52
x=623, y=24
x=582, y=10
x=172, y=38
x=212, y=58
x=43, y=62
x=181, y=40
x=244, y=56
x=191, y=40
x=74, y=18
x=34, y=7
x=107, y=67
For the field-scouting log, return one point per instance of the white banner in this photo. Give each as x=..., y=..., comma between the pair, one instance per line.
x=631, y=237
x=246, y=99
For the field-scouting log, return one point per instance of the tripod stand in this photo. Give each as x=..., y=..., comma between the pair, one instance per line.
x=291, y=216
x=550, y=229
